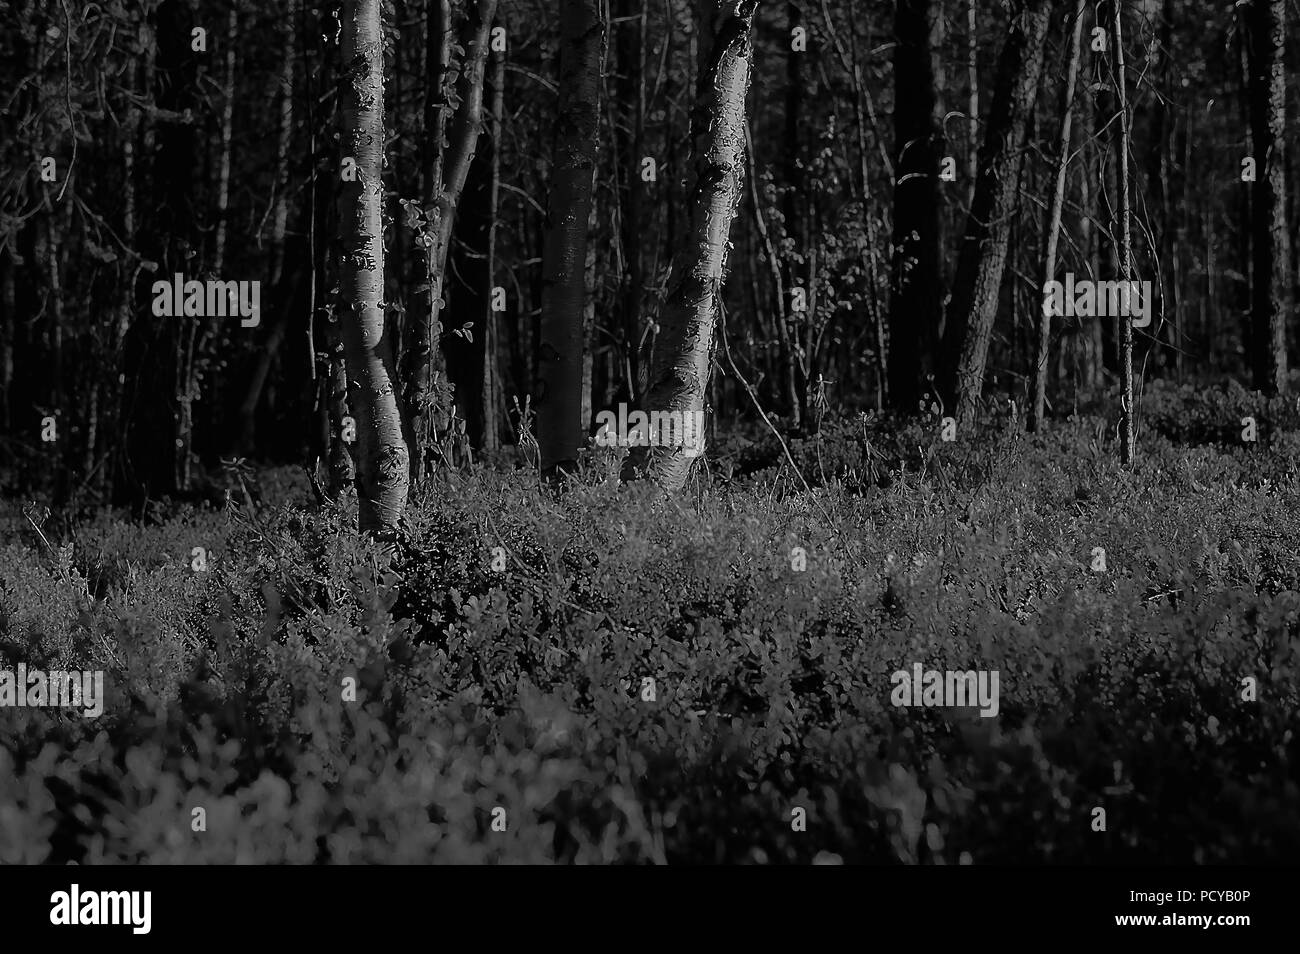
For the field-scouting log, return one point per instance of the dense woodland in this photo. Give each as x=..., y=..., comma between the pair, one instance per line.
x=434, y=244
x=909, y=173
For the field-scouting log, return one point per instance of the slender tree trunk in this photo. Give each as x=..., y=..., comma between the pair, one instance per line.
x=1271, y=291
x=492, y=393
x=8, y=312
x=52, y=238
x=1243, y=284
x=449, y=142
x=1159, y=172
x=1104, y=113
x=422, y=364
x=560, y=428
x=1054, y=218
x=596, y=263
x=1094, y=361
x=1183, y=246
x=1128, y=434
x=939, y=71
x=631, y=52
x=396, y=280
x=167, y=226
x=467, y=288
x=793, y=231
x=785, y=345
x=916, y=306
x=683, y=357
x=383, y=468
x=978, y=282
x=138, y=139
x=128, y=268
x=973, y=101
x=1209, y=300
x=321, y=211
x=227, y=140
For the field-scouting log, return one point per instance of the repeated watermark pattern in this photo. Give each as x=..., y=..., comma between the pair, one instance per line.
x=684, y=429
x=947, y=689
x=1085, y=298
x=210, y=299
x=56, y=689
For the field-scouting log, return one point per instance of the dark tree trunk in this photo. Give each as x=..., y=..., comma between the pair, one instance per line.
x=1271, y=288
x=279, y=227
x=154, y=347
x=468, y=293
x=631, y=85
x=560, y=428
x=978, y=282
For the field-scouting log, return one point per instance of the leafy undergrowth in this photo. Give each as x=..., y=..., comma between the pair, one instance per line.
x=612, y=676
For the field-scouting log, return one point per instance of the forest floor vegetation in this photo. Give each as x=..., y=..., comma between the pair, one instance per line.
x=707, y=679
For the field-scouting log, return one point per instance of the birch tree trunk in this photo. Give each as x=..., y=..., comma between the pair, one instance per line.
x=978, y=282
x=683, y=354
x=560, y=428
x=1054, y=218
x=1128, y=434
x=382, y=471
x=1271, y=291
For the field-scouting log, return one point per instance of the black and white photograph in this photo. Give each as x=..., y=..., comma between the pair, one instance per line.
x=706, y=433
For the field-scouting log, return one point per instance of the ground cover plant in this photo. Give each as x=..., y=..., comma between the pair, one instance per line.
x=613, y=675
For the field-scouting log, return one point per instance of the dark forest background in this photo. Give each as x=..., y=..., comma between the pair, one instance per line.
x=222, y=162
